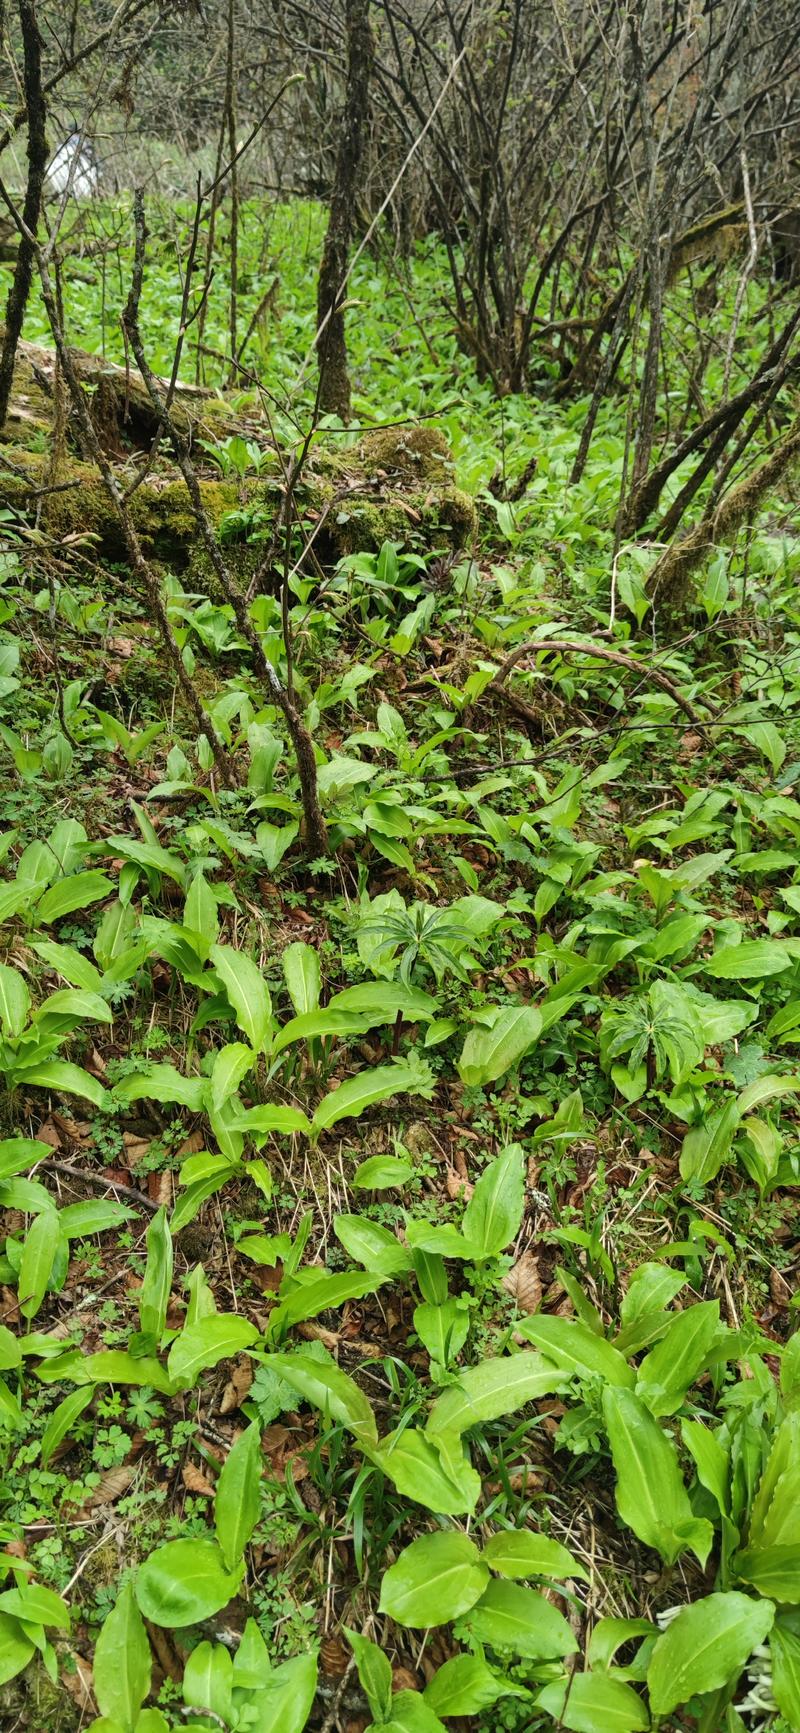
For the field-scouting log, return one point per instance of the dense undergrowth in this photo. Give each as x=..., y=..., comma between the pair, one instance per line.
x=400, y=1248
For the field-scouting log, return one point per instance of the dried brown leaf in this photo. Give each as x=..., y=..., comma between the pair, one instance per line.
x=111, y=1486
x=78, y=1685
x=457, y=1186
x=196, y=1481
x=237, y=1387
x=523, y=1282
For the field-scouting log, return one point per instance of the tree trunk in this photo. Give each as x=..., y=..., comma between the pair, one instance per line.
x=37, y=164
x=334, y=382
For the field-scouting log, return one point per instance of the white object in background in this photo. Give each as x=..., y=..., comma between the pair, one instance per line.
x=73, y=158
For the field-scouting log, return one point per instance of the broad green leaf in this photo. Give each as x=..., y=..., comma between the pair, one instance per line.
x=643, y=1318
x=491, y=1389
x=325, y=1022
x=14, y=897
x=752, y=960
x=666, y=1373
x=260, y=1121
x=109, y=1366
x=773, y=1570
x=200, y=914
x=442, y=1329
x=19, y=1152
x=465, y=1685
x=594, y=1703
x=609, y=1635
x=494, y=1212
x=10, y=1350
x=149, y=855
x=286, y=1702
x=75, y=1004
x=446, y=1241
x=387, y=1000
x=488, y=1054
x=63, y=1419
x=69, y=1079
x=413, y=1463
x=571, y=1346
x=764, y=1089
x=231, y=1065
x=327, y=1388
x=522, y=1621
x=39, y=1249
x=121, y=1663
x=770, y=1507
x=15, y=1649
x=435, y=1580
x=114, y=934
x=274, y=840
x=11, y=1413
x=246, y=989
x=94, y=1216
x=157, y=1284
x=208, y=1680
x=251, y=1662
x=371, y=1245
x=237, y=1503
x=15, y=1000
x=705, y=1648
x=784, y=1647
x=521, y=1553
x=651, y=1496
x=301, y=972
x=710, y=1460
x=379, y=1172
x=162, y=1083
x=374, y=1672
x=356, y=1094
x=323, y=1292
x=184, y=1582
x=707, y=1146
x=36, y=1604
x=207, y=1342
x=70, y=894
x=411, y=1714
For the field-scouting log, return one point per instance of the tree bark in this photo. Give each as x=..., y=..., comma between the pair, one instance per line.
x=37, y=164
x=334, y=381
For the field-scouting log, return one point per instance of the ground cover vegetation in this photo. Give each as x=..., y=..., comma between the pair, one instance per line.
x=400, y=884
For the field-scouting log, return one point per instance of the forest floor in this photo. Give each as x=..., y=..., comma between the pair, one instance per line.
x=455, y=1172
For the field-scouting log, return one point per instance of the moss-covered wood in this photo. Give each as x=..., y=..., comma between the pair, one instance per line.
x=390, y=484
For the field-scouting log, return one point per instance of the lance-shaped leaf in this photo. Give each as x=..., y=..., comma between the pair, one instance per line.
x=489, y=1053
x=356, y=1094
x=493, y=1388
x=705, y=1648
x=247, y=992
x=121, y=1662
x=327, y=1388
x=651, y=1496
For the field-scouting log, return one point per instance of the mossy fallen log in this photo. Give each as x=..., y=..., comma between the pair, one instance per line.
x=393, y=484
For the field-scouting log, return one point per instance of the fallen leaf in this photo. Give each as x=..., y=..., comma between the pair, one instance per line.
x=196, y=1481
x=159, y=1187
x=48, y=1133
x=780, y=1292
x=111, y=1486
x=237, y=1387
x=404, y=1680
x=80, y=1684
x=457, y=1186
x=523, y=1282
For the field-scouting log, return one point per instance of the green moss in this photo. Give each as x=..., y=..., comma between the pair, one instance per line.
x=421, y=452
